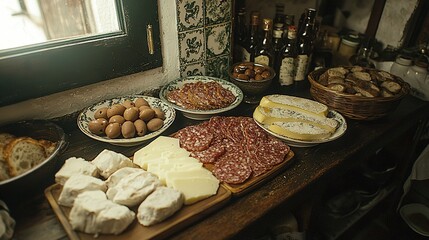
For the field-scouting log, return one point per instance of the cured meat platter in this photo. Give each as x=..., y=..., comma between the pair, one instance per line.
x=237, y=151
x=184, y=217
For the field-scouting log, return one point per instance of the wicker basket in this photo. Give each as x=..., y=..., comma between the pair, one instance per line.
x=352, y=106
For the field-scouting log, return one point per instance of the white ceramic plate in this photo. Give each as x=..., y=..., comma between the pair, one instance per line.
x=407, y=212
x=201, y=114
x=87, y=115
x=342, y=127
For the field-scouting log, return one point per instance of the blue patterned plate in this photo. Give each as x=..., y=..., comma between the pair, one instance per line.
x=87, y=115
x=201, y=114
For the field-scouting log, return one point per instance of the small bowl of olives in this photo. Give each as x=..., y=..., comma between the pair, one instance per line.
x=253, y=79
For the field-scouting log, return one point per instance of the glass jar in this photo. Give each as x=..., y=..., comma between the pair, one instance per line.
x=400, y=66
x=417, y=78
x=417, y=72
x=348, y=46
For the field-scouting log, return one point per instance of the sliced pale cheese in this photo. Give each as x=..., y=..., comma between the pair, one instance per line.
x=195, y=184
x=162, y=169
x=143, y=162
x=299, y=130
x=155, y=149
x=175, y=153
x=294, y=104
x=268, y=116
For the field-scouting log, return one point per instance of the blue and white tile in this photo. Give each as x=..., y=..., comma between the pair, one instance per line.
x=218, y=67
x=194, y=69
x=218, y=11
x=191, y=46
x=218, y=40
x=190, y=14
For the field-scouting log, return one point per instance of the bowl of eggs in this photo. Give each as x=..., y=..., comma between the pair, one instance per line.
x=127, y=120
x=252, y=78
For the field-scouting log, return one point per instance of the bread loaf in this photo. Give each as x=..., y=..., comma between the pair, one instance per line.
x=22, y=154
x=294, y=104
x=5, y=138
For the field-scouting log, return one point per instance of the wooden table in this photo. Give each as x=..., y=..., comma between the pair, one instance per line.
x=312, y=168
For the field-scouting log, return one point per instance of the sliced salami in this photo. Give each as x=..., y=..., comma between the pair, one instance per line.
x=234, y=131
x=253, y=133
x=272, y=152
x=215, y=126
x=232, y=170
x=210, y=155
x=195, y=138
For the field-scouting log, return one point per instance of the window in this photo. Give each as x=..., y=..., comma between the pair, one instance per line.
x=69, y=62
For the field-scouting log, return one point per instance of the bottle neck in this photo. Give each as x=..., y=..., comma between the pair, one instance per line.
x=267, y=38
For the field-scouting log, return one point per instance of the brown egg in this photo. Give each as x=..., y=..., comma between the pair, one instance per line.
x=113, y=130
x=97, y=126
x=128, y=103
x=117, y=119
x=159, y=113
x=101, y=113
x=143, y=107
x=128, y=129
x=116, y=109
x=154, y=124
x=141, y=128
x=141, y=102
x=131, y=114
x=147, y=114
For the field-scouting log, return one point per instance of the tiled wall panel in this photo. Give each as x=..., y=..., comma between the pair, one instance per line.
x=204, y=37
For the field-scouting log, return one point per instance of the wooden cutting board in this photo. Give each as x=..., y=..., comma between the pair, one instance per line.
x=184, y=217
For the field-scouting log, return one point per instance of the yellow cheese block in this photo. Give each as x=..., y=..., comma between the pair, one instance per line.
x=162, y=169
x=195, y=184
x=294, y=104
x=299, y=130
x=268, y=116
x=154, y=150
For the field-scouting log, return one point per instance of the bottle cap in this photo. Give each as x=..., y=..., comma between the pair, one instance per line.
x=254, y=19
x=267, y=24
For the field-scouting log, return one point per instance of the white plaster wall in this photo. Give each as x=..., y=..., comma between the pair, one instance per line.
x=63, y=103
x=393, y=21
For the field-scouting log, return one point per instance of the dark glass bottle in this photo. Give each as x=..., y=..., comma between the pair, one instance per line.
x=264, y=53
x=278, y=44
x=305, y=40
x=286, y=67
x=289, y=21
x=241, y=53
x=279, y=16
x=254, y=35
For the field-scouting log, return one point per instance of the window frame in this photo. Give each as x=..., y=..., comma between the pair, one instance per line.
x=63, y=65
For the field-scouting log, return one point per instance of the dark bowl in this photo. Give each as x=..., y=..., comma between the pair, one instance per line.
x=252, y=87
x=34, y=181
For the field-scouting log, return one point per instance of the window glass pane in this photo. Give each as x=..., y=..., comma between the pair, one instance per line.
x=29, y=22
